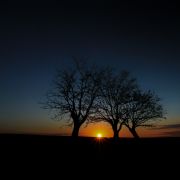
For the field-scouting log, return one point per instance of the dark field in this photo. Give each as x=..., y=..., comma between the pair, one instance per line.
x=90, y=155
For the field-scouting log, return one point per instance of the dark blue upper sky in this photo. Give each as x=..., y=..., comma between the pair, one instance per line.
x=37, y=38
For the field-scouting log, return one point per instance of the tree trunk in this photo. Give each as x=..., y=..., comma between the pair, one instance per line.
x=116, y=132
x=75, y=132
x=134, y=133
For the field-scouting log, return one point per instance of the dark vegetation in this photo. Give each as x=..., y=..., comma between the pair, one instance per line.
x=68, y=148
x=69, y=158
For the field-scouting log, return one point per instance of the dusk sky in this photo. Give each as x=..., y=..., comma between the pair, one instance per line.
x=38, y=38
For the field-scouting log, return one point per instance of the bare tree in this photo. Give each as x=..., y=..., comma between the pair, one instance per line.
x=74, y=94
x=114, y=94
x=142, y=110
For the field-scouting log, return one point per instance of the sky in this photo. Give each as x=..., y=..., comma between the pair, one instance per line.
x=38, y=37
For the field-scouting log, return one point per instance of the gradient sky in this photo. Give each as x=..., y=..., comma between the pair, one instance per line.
x=37, y=38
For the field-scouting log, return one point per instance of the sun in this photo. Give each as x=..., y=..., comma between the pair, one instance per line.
x=99, y=135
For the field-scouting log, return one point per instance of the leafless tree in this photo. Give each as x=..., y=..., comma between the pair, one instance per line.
x=142, y=110
x=88, y=94
x=74, y=94
x=114, y=94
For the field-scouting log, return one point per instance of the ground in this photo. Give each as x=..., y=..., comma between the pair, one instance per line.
x=91, y=155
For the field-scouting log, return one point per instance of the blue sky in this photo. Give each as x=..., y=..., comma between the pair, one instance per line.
x=23, y=88
x=36, y=40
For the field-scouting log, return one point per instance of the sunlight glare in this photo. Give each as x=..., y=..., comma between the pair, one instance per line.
x=99, y=135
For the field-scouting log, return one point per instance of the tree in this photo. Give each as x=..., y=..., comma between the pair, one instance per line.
x=74, y=94
x=114, y=94
x=142, y=109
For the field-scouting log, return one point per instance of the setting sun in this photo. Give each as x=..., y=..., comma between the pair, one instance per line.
x=99, y=135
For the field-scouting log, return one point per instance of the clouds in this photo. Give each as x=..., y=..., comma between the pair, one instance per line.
x=171, y=130
x=173, y=133
x=170, y=126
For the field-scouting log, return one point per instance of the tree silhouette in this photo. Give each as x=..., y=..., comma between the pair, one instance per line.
x=114, y=94
x=88, y=94
x=74, y=94
x=142, y=109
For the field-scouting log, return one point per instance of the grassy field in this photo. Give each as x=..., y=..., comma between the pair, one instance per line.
x=106, y=147
x=89, y=154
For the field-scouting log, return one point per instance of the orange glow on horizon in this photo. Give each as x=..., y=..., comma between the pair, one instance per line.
x=106, y=131
x=92, y=130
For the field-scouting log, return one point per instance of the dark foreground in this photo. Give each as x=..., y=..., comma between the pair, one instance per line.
x=65, y=154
